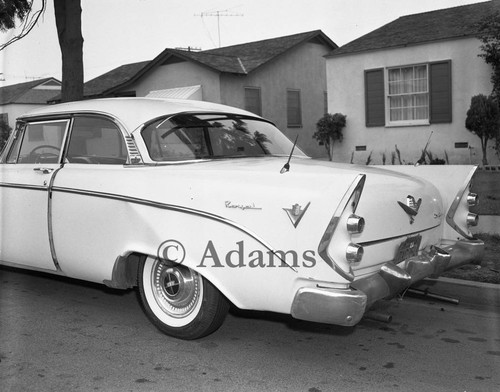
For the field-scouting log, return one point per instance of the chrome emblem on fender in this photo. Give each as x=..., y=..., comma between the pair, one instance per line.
x=296, y=213
x=411, y=207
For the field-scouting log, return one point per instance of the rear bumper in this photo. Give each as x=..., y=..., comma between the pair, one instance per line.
x=347, y=307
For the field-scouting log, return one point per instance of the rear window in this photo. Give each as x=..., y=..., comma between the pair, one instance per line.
x=204, y=136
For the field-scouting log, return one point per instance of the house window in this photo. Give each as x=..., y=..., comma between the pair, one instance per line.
x=294, y=109
x=411, y=95
x=4, y=117
x=253, y=102
x=408, y=95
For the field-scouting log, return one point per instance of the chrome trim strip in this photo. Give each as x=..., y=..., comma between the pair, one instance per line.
x=332, y=226
x=49, y=220
x=381, y=241
x=450, y=216
x=23, y=186
x=171, y=207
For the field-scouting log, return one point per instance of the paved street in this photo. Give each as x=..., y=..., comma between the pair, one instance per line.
x=64, y=335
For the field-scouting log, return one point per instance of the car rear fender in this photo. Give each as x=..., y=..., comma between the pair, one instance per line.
x=453, y=183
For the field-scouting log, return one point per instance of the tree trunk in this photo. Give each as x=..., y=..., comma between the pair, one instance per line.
x=69, y=31
x=484, y=145
x=330, y=149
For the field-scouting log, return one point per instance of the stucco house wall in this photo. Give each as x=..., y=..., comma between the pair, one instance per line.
x=179, y=74
x=292, y=70
x=470, y=76
x=17, y=109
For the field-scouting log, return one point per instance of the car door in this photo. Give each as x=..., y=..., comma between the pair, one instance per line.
x=89, y=225
x=25, y=179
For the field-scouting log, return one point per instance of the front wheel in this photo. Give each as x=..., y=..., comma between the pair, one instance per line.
x=179, y=301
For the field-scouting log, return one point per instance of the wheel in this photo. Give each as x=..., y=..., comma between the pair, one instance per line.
x=179, y=301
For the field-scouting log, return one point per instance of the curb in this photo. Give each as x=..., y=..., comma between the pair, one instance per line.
x=467, y=292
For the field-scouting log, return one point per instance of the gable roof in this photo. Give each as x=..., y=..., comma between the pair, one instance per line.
x=237, y=59
x=449, y=23
x=116, y=77
x=254, y=54
x=27, y=93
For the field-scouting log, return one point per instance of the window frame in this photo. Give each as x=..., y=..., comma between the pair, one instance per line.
x=439, y=91
x=388, y=96
x=99, y=117
x=20, y=137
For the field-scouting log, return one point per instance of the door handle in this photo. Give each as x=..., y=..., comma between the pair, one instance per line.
x=43, y=170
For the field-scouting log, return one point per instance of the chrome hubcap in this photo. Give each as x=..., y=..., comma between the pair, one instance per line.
x=177, y=289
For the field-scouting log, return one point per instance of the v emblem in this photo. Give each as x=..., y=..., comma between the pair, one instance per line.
x=296, y=213
x=411, y=207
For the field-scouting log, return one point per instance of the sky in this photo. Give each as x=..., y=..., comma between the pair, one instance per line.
x=118, y=32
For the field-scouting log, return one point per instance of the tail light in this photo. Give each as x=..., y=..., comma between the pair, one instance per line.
x=472, y=199
x=459, y=217
x=337, y=246
x=472, y=219
x=354, y=253
x=355, y=224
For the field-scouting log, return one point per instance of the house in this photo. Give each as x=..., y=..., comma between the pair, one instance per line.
x=282, y=79
x=410, y=83
x=17, y=99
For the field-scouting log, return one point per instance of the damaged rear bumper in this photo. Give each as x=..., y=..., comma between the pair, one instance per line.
x=347, y=307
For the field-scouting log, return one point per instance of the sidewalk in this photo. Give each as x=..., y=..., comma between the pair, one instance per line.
x=467, y=292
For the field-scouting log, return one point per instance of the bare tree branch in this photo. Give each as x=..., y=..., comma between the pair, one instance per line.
x=29, y=21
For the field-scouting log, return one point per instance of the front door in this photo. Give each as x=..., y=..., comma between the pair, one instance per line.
x=25, y=179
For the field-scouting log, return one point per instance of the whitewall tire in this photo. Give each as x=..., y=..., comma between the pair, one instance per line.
x=178, y=300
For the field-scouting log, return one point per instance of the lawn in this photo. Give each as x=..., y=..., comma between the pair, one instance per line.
x=487, y=185
x=489, y=270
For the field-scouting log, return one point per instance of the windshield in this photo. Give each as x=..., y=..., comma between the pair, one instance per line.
x=190, y=136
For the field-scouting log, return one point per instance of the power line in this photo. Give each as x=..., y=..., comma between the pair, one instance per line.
x=218, y=14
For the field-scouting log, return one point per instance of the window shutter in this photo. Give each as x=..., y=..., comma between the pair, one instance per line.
x=253, y=102
x=294, y=111
x=440, y=92
x=374, y=98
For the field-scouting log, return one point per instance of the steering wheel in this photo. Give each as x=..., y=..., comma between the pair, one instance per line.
x=46, y=146
x=44, y=154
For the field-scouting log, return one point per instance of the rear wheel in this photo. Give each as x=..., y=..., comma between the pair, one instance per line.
x=178, y=300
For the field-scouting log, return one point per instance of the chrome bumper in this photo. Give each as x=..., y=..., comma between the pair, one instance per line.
x=347, y=307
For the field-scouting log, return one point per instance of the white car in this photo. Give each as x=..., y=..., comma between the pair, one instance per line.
x=201, y=205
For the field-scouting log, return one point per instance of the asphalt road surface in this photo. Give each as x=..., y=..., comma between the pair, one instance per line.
x=64, y=335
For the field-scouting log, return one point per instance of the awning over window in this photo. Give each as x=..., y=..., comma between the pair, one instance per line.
x=189, y=92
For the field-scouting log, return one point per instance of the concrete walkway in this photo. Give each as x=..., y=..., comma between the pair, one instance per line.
x=465, y=291
x=487, y=224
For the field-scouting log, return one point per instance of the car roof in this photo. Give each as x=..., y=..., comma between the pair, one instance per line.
x=133, y=112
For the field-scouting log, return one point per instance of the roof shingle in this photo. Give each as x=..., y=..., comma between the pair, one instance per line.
x=24, y=93
x=449, y=23
x=237, y=59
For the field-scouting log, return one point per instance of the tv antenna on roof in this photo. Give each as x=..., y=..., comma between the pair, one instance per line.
x=218, y=14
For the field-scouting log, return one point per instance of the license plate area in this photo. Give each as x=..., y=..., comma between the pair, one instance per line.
x=408, y=248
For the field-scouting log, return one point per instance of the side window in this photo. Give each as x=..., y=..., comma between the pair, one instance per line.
x=39, y=143
x=96, y=140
